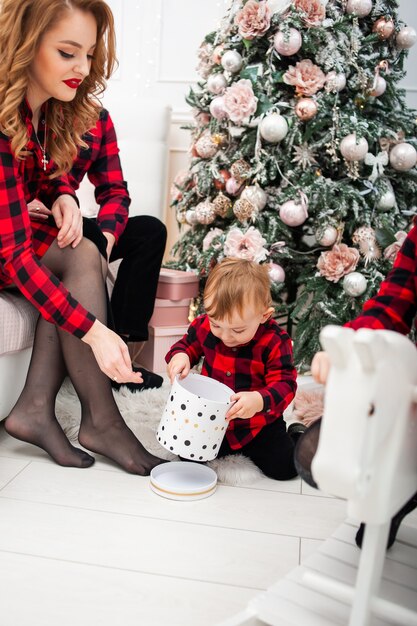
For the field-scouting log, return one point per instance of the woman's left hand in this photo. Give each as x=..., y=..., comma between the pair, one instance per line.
x=38, y=211
x=69, y=220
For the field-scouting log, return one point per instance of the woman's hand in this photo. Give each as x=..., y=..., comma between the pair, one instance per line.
x=38, y=211
x=111, y=353
x=179, y=364
x=320, y=367
x=69, y=220
x=110, y=243
x=246, y=404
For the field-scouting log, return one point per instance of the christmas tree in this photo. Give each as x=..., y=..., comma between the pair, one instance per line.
x=303, y=154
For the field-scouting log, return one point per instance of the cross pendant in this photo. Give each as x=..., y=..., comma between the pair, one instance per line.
x=44, y=162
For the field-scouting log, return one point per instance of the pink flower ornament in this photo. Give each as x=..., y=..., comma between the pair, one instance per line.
x=337, y=262
x=239, y=101
x=306, y=77
x=253, y=20
x=248, y=245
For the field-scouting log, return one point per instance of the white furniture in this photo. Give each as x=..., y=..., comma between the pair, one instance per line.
x=142, y=129
x=367, y=454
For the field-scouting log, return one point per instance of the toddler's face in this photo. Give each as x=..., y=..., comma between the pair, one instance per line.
x=240, y=328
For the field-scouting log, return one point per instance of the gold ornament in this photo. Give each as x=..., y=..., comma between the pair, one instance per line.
x=222, y=205
x=384, y=27
x=181, y=218
x=318, y=172
x=219, y=139
x=244, y=210
x=360, y=102
x=240, y=170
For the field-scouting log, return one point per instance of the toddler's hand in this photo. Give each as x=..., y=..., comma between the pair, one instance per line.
x=179, y=364
x=320, y=367
x=246, y=404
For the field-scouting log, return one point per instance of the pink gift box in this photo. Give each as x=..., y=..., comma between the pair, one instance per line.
x=176, y=284
x=152, y=356
x=170, y=312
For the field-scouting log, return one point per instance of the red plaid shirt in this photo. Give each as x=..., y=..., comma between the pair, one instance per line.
x=265, y=364
x=23, y=243
x=100, y=161
x=395, y=305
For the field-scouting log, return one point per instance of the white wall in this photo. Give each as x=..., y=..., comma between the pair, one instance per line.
x=157, y=50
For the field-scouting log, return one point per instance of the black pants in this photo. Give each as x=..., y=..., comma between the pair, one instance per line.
x=272, y=451
x=141, y=248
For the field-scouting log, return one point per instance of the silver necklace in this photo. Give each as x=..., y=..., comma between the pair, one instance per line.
x=44, y=159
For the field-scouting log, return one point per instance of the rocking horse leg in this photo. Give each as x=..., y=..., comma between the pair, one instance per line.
x=369, y=572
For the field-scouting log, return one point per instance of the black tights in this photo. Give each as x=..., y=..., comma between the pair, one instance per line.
x=304, y=454
x=55, y=353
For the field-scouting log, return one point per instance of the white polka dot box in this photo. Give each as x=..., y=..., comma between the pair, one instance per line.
x=193, y=423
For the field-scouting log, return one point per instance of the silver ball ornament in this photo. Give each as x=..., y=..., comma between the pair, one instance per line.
x=354, y=284
x=380, y=86
x=335, y=82
x=361, y=8
x=406, y=38
x=292, y=213
x=353, y=149
x=216, y=83
x=386, y=200
x=276, y=273
x=232, y=61
x=327, y=236
x=191, y=217
x=256, y=195
x=217, y=108
x=403, y=157
x=287, y=46
x=273, y=128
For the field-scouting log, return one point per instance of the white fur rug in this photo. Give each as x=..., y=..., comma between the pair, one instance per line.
x=142, y=412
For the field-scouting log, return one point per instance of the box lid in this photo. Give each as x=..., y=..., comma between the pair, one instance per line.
x=160, y=303
x=167, y=275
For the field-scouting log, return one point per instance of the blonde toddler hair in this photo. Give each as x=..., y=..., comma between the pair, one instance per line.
x=233, y=284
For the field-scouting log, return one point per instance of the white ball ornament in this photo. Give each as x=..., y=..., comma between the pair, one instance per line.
x=406, y=38
x=216, y=83
x=403, y=157
x=292, y=213
x=273, y=128
x=256, y=195
x=361, y=8
x=217, y=108
x=276, y=273
x=327, y=236
x=354, y=284
x=191, y=217
x=288, y=45
x=353, y=149
x=232, y=61
x=380, y=86
x=386, y=200
x=335, y=82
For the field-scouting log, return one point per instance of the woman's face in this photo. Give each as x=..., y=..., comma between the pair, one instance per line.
x=63, y=59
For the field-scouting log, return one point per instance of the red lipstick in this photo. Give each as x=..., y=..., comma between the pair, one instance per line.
x=73, y=83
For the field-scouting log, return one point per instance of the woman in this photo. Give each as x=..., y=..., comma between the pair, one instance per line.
x=54, y=58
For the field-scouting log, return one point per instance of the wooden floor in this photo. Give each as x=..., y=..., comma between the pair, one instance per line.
x=97, y=547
